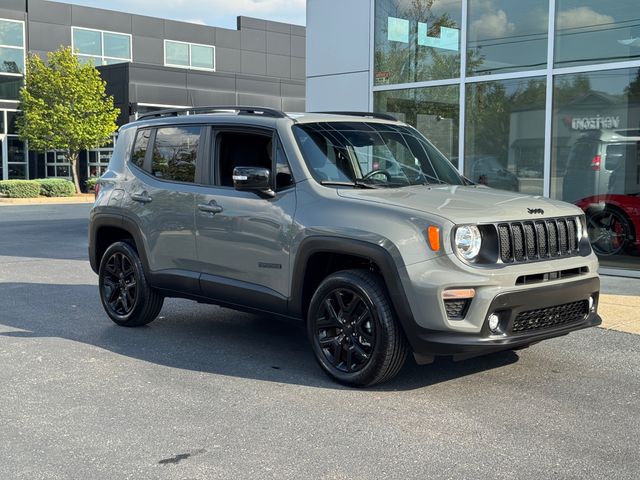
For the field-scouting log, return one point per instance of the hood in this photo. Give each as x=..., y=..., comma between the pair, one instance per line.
x=465, y=204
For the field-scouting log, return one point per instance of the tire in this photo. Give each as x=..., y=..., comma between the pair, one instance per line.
x=125, y=293
x=610, y=231
x=353, y=331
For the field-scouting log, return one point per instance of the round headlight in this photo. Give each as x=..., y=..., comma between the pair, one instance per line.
x=468, y=241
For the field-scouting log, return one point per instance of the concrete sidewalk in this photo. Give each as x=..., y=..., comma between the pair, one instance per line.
x=620, y=304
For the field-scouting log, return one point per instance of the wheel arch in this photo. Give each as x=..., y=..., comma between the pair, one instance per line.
x=105, y=230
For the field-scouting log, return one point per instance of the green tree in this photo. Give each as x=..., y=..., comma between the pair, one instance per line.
x=64, y=107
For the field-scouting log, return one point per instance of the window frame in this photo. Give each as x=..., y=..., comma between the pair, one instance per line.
x=102, y=56
x=190, y=66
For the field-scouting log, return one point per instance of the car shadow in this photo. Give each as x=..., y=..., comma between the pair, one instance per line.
x=197, y=337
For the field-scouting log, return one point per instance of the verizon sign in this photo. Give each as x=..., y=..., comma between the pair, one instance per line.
x=596, y=122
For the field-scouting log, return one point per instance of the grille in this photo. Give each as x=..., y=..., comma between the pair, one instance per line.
x=456, y=309
x=537, y=240
x=550, y=317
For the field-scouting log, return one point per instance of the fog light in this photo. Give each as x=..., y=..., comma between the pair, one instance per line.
x=592, y=304
x=494, y=323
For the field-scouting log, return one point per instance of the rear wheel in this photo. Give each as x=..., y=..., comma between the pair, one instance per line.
x=610, y=231
x=125, y=293
x=353, y=331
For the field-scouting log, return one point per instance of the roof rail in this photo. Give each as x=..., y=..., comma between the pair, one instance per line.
x=382, y=116
x=240, y=110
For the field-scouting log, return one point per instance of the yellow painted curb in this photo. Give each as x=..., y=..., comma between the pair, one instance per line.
x=620, y=312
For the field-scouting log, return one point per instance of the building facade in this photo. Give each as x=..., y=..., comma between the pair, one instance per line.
x=540, y=97
x=149, y=64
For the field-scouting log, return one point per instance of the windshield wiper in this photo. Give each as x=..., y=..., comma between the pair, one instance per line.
x=356, y=184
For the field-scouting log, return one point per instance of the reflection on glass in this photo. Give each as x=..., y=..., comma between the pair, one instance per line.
x=596, y=158
x=174, y=153
x=434, y=111
x=504, y=144
x=17, y=171
x=11, y=33
x=416, y=40
x=87, y=42
x=594, y=31
x=95, y=61
x=505, y=36
x=11, y=60
x=176, y=53
x=10, y=87
x=202, y=57
x=117, y=45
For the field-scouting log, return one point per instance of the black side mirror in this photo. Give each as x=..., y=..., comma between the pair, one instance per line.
x=253, y=179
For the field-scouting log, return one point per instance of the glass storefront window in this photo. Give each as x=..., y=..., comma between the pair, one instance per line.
x=593, y=31
x=101, y=48
x=506, y=36
x=11, y=60
x=11, y=33
x=416, y=40
x=202, y=57
x=434, y=111
x=189, y=55
x=504, y=144
x=596, y=158
x=117, y=46
x=176, y=54
x=87, y=42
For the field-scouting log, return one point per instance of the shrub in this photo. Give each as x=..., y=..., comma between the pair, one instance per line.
x=20, y=188
x=90, y=183
x=56, y=187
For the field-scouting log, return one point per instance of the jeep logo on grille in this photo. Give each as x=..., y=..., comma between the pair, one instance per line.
x=533, y=211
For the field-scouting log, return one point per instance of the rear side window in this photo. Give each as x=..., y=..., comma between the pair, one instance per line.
x=175, y=152
x=140, y=147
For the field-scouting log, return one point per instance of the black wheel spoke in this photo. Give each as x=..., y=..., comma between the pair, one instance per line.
x=119, y=284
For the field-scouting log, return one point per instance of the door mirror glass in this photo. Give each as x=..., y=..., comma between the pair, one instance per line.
x=253, y=179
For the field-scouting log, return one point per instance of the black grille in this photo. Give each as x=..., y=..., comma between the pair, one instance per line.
x=456, y=309
x=551, y=316
x=537, y=240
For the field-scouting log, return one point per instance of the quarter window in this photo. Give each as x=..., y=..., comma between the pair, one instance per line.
x=175, y=152
x=140, y=147
x=189, y=55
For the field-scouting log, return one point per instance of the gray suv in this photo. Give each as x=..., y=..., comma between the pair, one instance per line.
x=352, y=223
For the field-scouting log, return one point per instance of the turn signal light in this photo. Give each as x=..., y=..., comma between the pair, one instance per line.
x=433, y=234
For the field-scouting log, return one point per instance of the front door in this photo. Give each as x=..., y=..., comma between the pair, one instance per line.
x=243, y=238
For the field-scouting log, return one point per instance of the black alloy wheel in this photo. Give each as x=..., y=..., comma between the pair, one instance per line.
x=120, y=285
x=353, y=331
x=610, y=231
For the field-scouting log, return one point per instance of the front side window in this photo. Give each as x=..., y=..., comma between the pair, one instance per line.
x=372, y=154
x=100, y=47
x=189, y=55
x=175, y=152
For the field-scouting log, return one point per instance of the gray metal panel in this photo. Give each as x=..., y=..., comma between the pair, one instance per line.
x=12, y=14
x=278, y=43
x=100, y=19
x=292, y=104
x=278, y=27
x=212, y=97
x=158, y=75
x=148, y=50
x=279, y=66
x=254, y=63
x=17, y=5
x=292, y=89
x=259, y=100
x=49, y=12
x=47, y=36
x=211, y=81
x=254, y=40
x=159, y=94
x=187, y=32
x=259, y=86
x=297, y=68
x=298, y=46
x=227, y=59
x=227, y=38
x=249, y=22
x=298, y=30
x=148, y=26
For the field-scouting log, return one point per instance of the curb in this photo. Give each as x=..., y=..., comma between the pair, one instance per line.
x=83, y=198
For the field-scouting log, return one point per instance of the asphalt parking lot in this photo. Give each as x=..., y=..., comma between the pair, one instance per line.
x=207, y=393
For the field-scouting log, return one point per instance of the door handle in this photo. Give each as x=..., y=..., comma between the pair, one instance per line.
x=211, y=207
x=142, y=197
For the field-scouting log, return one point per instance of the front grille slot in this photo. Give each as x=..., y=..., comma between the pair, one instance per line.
x=550, y=317
x=545, y=277
x=530, y=241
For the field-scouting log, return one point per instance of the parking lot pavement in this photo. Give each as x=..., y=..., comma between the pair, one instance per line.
x=207, y=393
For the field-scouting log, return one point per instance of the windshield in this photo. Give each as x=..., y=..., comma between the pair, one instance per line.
x=372, y=154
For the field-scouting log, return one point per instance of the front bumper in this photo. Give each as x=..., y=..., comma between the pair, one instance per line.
x=428, y=343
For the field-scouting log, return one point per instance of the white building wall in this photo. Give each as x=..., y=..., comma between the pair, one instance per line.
x=338, y=55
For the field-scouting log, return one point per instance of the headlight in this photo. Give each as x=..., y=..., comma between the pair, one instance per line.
x=468, y=241
x=580, y=230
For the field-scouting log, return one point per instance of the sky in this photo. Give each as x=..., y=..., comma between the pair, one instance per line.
x=217, y=13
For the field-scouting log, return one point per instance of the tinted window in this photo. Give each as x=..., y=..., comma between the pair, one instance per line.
x=140, y=147
x=174, y=153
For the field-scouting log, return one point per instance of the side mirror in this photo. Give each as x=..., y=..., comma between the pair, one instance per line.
x=253, y=179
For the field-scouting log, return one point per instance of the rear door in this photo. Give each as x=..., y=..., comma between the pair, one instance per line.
x=243, y=238
x=166, y=165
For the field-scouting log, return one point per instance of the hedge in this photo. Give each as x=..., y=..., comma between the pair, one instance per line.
x=20, y=188
x=56, y=187
x=90, y=183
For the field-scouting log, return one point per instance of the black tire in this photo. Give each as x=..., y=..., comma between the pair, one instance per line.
x=351, y=312
x=610, y=231
x=125, y=293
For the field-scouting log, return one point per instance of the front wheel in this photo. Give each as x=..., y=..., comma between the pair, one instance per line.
x=125, y=293
x=610, y=231
x=353, y=331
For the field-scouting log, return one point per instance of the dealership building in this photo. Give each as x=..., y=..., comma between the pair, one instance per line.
x=149, y=64
x=540, y=97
